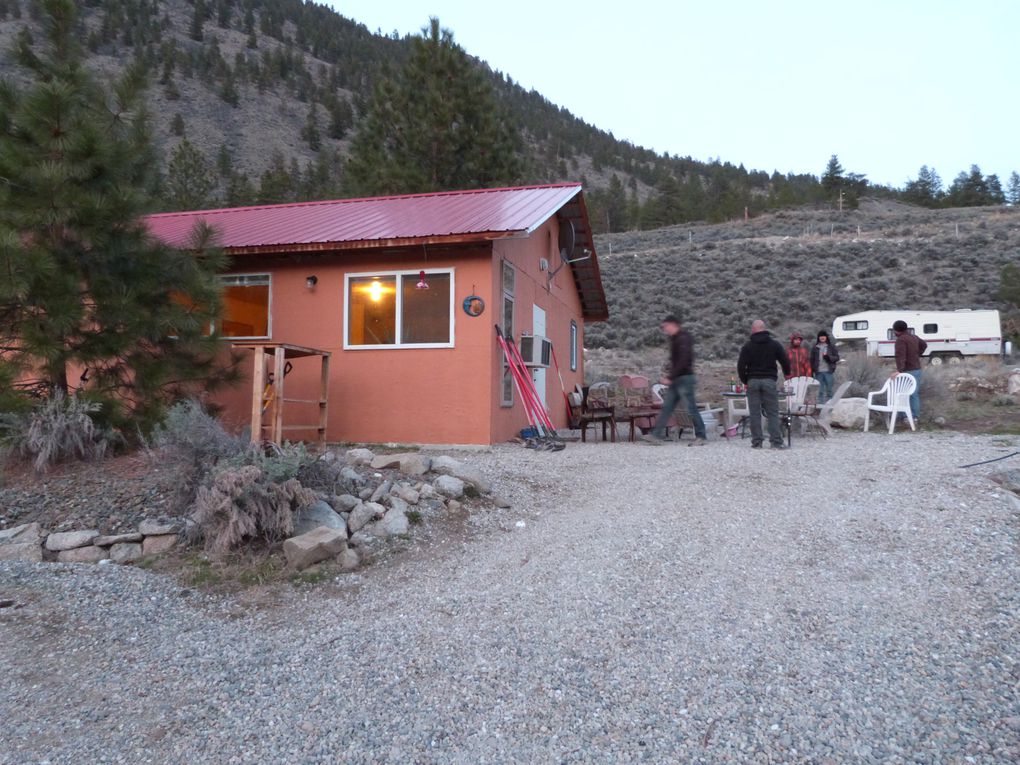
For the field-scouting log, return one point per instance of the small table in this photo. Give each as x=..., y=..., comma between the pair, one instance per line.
x=785, y=415
x=632, y=415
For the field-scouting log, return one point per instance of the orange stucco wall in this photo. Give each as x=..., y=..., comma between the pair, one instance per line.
x=413, y=395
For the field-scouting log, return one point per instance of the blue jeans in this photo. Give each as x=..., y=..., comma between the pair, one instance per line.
x=762, y=393
x=915, y=397
x=680, y=390
x=824, y=385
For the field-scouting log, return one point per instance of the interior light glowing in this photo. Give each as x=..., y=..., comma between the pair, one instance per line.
x=375, y=290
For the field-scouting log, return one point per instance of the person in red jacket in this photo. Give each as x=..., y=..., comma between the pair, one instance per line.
x=800, y=358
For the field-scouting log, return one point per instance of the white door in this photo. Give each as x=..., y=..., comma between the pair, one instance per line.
x=538, y=373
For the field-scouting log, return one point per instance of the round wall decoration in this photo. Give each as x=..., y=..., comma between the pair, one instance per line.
x=473, y=305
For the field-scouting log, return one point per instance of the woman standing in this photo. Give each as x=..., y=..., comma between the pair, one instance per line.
x=824, y=358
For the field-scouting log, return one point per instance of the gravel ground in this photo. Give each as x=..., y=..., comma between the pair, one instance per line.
x=851, y=600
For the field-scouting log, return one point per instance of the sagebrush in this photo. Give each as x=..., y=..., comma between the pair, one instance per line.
x=60, y=428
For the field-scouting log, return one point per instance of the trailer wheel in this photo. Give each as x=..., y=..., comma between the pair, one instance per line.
x=954, y=358
x=935, y=359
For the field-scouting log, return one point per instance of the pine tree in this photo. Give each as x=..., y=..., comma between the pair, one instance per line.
x=1013, y=189
x=832, y=178
x=435, y=125
x=188, y=179
x=85, y=286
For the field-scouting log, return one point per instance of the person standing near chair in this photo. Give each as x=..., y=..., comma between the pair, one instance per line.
x=681, y=383
x=800, y=361
x=824, y=358
x=757, y=368
x=909, y=349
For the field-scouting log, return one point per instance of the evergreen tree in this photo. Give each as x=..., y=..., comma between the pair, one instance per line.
x=926, y=190
x=310, y=132
x=996, y=195
x=198, y=21
x=435, y=125
x=188, y=179
x=832, y=178
x=1013, y=189
x=969, y=189
x=240, y=191
x=85, y=287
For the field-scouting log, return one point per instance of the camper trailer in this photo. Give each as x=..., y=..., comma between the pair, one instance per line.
x=951, y=335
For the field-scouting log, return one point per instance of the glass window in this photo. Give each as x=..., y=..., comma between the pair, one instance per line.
x=930, y=329
x=573, y=345
x=855, y=325
x=392, y=310
x=245, y=305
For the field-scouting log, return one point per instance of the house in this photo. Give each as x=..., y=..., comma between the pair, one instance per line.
x=404, y=292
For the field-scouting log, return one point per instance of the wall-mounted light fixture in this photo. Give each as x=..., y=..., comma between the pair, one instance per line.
x=311, y=281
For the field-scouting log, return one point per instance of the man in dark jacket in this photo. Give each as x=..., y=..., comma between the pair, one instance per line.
x=757, y=370
x=909, y=349
x=681, y=381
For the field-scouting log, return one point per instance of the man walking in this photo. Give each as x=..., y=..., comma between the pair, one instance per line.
x=909, y=349
x=757, y=370
x=681, y=381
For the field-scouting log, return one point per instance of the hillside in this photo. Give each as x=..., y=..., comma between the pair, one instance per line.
x=798, y=269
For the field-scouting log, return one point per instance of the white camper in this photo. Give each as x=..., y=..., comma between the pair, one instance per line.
x=951, y=335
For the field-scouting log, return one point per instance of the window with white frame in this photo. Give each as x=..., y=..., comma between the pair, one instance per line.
x=246, y=306
x=399, y=309
x=573, y=345
x=508, y=277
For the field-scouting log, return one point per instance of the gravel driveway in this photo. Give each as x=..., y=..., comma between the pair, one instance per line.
x=852, y=600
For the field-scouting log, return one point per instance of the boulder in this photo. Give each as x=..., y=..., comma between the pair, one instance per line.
x=316, y=545
x=1008, y=479
x=317, y=514
x=500, y=502
x=328, y=457
x=453, y=505
x=344, y=503
x=406, y=493
x=849, y=413
x=117, y=539
x=363, y=515
x=159, y=544
x=449, y=486
x=380, y=491
x=411, y=463
x=359, y=456
x=395, y=521
x=90, y=554
x=385, y=462
x=26, y=551
x=26, y=533
x=153, y=527
x=69, y=540
x=361, y=539
x=1013, y=384
x=349, y=559
x=467, y=473
x=126, y=552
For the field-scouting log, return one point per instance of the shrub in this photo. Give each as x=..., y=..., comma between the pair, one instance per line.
x=242, y=505
x=1002, y=399
x=60, y=428
x=865, y=373
x=189, y=429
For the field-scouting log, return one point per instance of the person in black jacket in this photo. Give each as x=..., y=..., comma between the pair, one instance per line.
x=824, y=358
x=757, y=370
x=680, y=379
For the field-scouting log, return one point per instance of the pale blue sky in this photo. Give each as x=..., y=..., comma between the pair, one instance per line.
x=888, y=85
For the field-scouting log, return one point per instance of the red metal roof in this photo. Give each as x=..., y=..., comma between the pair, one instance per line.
x=491, y=213
x=453, y=217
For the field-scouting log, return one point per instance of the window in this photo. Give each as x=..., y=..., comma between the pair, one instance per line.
x=390, y=310
x=930, y=329
x=854, y=325
x=245, y=305
x=890, y=335
x=573, y=345
x=509, y=277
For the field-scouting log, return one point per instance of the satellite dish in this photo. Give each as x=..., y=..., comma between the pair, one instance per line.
x=567, y=239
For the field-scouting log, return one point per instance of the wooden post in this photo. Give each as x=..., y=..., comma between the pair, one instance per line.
x=258, y=382
x=280, y=356
x=323, y=398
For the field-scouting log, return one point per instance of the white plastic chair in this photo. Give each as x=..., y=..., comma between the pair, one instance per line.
x=799, y=386
x=897, y=392
x=822, y=417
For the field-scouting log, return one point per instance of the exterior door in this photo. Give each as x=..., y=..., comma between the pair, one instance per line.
x=538, y=373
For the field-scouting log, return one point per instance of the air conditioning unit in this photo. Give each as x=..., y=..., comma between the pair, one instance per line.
x=536, y=350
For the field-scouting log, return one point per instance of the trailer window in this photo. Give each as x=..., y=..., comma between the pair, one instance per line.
x=854, y=325
x=930, y=329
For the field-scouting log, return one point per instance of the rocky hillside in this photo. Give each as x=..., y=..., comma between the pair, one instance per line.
x=798, y=269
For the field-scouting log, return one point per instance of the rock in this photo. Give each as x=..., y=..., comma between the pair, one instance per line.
x=26, y=533
x=366, y=493
x=449, y=486
x=349, y=559
x=406, y=493
x=159, y=544
x=1013, y=384
x=344, y=503
x=500, y=502
x=433, y=505
x=395, y=521
x=381, y=491
x=361, y=539
x=363, y=515
x=90, y=554
x=150, y=527
x=414, y=463
x=26, y=551
x=126, y=552
x=466, y=473
x=316, y=545
x=328, y=457
x=117, y=539
x=377, y=530
x=69, y=540
x=359, y=456
x=385, y=462
x=1008, y=479
x=317, y=514
x=427, y=492
x=850, y=412
x=453, y=505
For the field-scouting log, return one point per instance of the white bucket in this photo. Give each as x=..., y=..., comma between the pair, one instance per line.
x=711, y=425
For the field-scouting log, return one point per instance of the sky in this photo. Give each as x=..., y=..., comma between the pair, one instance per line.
x=886, y=85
